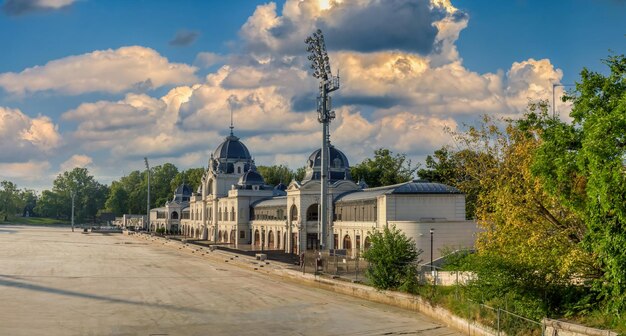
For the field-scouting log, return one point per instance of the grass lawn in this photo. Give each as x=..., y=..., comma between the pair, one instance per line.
x=35, y=221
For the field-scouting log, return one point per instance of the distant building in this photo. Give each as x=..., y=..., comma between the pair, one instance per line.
x=234, y=205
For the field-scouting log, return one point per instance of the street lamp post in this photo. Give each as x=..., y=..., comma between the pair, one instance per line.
x=432, y=231
x=328, y=83
x=72, y=194
x=145, y=159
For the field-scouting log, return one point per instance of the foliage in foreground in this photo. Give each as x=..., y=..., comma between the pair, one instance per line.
x=392, y=257
x=583, y=164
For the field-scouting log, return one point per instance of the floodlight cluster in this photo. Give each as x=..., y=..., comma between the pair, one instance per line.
x=320, y=63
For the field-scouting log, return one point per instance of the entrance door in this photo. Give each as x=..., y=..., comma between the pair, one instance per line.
x=294, y=243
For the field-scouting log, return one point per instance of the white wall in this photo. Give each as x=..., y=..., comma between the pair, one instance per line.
x=455, y=234
x=418, y=207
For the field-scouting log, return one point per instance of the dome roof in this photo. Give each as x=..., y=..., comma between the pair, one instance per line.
x=338, y=165
x=182, y=193
x=232, y=148
x=337, y=158
x=250, y=178
x=183, y=189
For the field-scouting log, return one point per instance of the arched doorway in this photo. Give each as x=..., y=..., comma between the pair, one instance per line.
x=233, y=236
x=312, y=213
x=174, y=215
x=367, y=243
x=257, y=238
x=347, y=242
x=270, y=240
x=277, y=239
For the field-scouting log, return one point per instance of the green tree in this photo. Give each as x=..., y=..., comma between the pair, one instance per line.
x=28, y=198
x=392, y=257
x=583, y=164
x=299, y=174
x=136, y=185
x=90, y=196
x=10, y=198
x=192, y=177
x=276, y=174
x=117, y=202
x=450, y=167
x=50, y=205
x=384, y=169
x=161, y=183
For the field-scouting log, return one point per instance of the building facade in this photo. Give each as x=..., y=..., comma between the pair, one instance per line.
x=233, y=205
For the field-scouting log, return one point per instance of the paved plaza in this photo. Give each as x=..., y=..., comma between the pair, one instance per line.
x=57, y=282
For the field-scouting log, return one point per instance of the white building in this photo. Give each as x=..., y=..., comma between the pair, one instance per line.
x=234, y=205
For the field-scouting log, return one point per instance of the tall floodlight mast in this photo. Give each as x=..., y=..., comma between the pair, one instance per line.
x=328, y=83
x=145, y=159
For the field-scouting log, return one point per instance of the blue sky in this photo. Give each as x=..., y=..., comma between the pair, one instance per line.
x=101, y=84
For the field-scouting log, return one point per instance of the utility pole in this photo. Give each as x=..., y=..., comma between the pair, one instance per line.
x=145, y=159
x=432, y=268
x=328, y=83
x=72, y=194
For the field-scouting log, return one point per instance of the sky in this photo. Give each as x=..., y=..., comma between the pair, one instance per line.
x=103, y=84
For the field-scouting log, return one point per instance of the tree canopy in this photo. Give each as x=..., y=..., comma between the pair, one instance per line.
x=582, y=163
x=90, y=196
x=392, y=257
x=384, y=169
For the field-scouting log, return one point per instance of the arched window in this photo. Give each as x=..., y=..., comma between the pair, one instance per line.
x=210, y=188
x=367, y=243
x=174, y=215
x=312, y=212
x=347, y=242
x=257, y=238
x=270, y=240
x=232, y=214
x=294, y=213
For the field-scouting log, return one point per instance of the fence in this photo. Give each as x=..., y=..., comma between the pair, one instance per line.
x=345, y=264
x=435, y=282
x=493, y=320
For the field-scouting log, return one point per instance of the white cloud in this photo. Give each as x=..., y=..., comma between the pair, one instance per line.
x=119, y=70
x=21, y=7
x=24, y=171
x=22, y=137
x=207, y=59
x=392, y=95
x=76, y=161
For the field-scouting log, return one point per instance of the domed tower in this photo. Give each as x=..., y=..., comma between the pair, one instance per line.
x=182, y=193
x=251, y=180
x=230, y=157
x=339, y=167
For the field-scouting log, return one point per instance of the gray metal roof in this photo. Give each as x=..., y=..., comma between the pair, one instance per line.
x=412, y=187
x=232, y=148
x=251, y=177
x=270, y=202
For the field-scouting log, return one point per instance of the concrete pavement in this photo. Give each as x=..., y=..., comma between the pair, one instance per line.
x=55, y=282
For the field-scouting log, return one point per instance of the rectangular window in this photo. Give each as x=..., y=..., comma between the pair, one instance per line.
x=242, y=234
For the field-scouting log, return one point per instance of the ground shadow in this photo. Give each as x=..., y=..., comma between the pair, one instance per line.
x=6, y=282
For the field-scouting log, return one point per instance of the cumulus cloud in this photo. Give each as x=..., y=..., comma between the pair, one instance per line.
x=26, y=171
x=354, y=25
x=112, y=71
x=76, y=161
x=184, y=38
x=397, y=92
x=22, y=137
x=22, y=7
x=207, y=59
